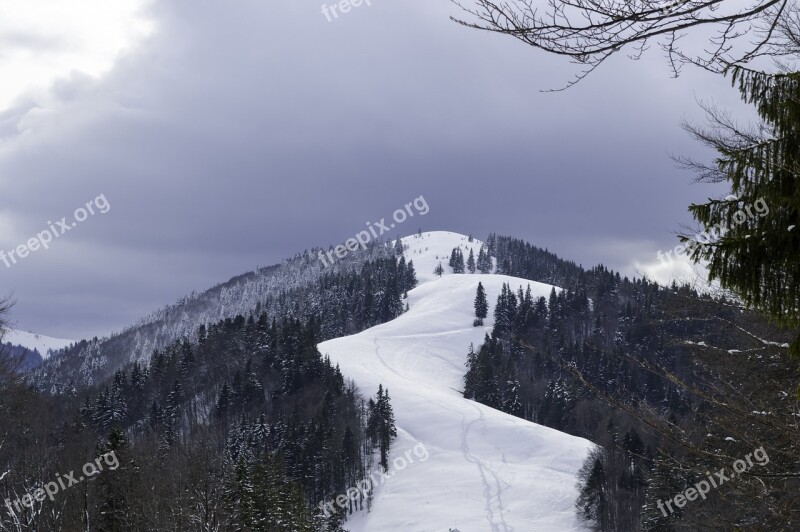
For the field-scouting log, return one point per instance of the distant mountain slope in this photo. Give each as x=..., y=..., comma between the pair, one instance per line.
x=280, y=290
x=487, y=470
x=43, y=344
x=265, y=289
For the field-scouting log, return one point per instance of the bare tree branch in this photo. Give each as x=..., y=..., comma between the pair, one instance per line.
x=590, y=31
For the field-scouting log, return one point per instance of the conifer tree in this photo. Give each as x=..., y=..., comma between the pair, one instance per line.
x=439, y=270
x=481, y=305
x=402, y=275
x=114, y=485
x=592, y=498
x=479, y=382
x=510, y=403
x=471, y=262
x=381, y=425
x=470, y=378
x=411, y=276
x=388, y=431
x=458, y=263
x=224, y=401
x=238, y=497
x=759, y=255
x=484, y=263
x=505, y=310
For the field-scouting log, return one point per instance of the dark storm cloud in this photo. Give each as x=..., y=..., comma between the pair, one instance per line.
x=241, y=133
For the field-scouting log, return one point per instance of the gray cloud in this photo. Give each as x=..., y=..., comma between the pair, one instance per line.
x=237, y=136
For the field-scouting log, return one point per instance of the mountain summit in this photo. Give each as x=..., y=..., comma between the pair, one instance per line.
x=487, y=470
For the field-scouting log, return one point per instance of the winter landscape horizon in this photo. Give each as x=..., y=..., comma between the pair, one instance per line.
x=370, y=266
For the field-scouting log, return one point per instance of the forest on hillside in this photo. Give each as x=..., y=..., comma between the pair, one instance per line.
x=669, y=383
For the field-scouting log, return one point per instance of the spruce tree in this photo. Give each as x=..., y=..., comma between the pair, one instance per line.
x=591, y=501
x=479, y=382
x=481, y=305
x=457, y=261
x=487, y=391
x=471, y=262
x=114, y=485
x=411, y=276
x=460, y=266
x=484, y=263
x=381, y=428
x=759, y=255
x=402, y=276
x=439, y=270
x=238, y=497
x=505, y=310
x=470, y=378
x=388, y=431
x=510, y=403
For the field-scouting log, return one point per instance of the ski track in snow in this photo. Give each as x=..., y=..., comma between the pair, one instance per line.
x=486, y=470
x=487, y=492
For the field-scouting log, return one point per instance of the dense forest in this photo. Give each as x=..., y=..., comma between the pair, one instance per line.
x=662, y=379
x=26, y=359
x=241, y=426
x=345, y=299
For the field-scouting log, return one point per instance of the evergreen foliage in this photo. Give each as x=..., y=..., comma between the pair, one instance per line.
x=481, y=305
x=758, y=256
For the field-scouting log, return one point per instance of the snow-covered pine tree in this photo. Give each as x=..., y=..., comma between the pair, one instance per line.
x=481, y=305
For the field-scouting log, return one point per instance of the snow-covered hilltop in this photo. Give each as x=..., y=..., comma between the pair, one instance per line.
x=486, y=470
x=43, y=344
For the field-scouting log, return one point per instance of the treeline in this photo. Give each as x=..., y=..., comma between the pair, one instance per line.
x=364, y=289
x=243, y=427
x=669, y=383
x=342, y=301
x=27, y=358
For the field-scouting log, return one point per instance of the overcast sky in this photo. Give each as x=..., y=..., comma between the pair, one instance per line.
x=230, y=135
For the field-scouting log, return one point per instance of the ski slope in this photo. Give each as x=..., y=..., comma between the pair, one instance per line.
x=43, y=344
x=485, y=470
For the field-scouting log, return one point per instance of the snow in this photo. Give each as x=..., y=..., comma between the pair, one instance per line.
x=487, y=470
x=43, y=344
x=425, y=249
x=765, y=342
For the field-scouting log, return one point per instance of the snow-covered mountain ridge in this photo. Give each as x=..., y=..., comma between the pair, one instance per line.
x=43, y=344
x=487, y=470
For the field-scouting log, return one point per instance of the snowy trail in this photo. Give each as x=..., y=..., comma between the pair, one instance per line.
x=486, y=470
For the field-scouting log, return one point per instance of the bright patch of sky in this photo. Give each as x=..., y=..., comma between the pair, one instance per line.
x=42, y=41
